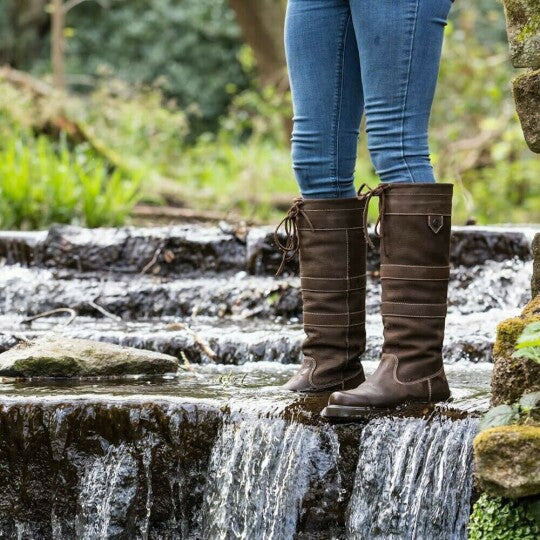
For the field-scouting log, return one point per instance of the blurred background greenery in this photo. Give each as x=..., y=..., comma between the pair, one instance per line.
x=112, y=109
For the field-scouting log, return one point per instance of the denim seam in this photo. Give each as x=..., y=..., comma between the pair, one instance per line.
x=406, y=95
x=339, y=102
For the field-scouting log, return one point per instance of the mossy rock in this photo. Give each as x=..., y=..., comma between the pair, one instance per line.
x=506, y=460
x=496, y=518
x=512, y=377
x=526, y=88
x=523, y=29
x=66, y=357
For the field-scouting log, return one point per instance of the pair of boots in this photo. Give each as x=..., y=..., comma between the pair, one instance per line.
x=331, y=238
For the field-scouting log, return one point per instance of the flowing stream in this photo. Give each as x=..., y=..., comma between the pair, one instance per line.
x=413, y=480
x=218, y=451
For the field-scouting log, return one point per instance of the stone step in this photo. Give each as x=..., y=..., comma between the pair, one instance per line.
x=174, y=458
x=190, y=249
x=30, y=291
x=468, y=337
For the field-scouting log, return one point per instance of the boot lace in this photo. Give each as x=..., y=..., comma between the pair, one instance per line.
x=367, y=196
x=289, y=223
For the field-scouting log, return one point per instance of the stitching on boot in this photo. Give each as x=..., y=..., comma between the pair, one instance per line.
x=347, y=306
x=334, y=209
x=331, y=229
x=415, y=266
x=331, y=385
x=313, y=365
x=330, y=314
x=334, y=278
x=309, y=325
x=422, y=379
x=429, y=389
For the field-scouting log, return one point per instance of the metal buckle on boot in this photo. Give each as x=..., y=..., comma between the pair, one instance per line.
x=435, y=223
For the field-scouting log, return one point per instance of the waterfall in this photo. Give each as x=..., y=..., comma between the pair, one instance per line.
x=413, y=480
x=261, y=469
x=107, y=488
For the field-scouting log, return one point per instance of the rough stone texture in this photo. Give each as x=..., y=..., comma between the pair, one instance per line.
x=512, y=377
x=527, y=97
x=66, y=357
x=523, y=28
x=157, y=453
x=158, y=250
x=535, y=280
x=506, y=460
x=192, y=250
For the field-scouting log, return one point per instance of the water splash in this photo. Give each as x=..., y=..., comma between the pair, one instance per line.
x=413, y=480
x=261, y=469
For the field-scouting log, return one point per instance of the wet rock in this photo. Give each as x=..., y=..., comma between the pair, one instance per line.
x=192, y=250
x=523, y=29
x=526, y=89
x=472, y=246
x=535, y=280
x=512, y=377
x=506, y=460
x=22, y=247
x=159, y=250
x=65, y=357
x=103, y=469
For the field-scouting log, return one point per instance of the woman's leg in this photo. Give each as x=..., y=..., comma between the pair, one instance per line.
x=324, y=72
x=325, y=226
x=399, y=44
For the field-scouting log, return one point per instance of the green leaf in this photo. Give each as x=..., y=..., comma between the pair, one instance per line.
x=502, y=415
x=529, y=401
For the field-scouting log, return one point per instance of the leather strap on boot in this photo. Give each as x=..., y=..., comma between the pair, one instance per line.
x=329, y=237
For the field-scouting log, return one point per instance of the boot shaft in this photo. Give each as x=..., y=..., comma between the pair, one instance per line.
x=332, y=256
x=415, y=226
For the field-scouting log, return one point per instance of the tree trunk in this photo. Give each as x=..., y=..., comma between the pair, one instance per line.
x=58, y=44
x=261, y=22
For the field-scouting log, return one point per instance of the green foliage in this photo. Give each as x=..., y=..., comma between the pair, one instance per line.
x=43, y=183
x=517, y=413
x=496, y=518
x=528, y=344
x=502, y=415
x=191, y=46
x=188, y=119
x=145, y=131
x=476, y=138
x=529, y=402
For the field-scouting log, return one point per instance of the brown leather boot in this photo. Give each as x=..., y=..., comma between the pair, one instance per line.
x=329, y=236
x=415, y=222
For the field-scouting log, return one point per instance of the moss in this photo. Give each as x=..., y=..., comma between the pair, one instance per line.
x=496, y=518
x=51, y=366
x=506, y=460
x=526, y=433
x=512, y=377
x=532, y=310
x=507, y=333
x=523, y=25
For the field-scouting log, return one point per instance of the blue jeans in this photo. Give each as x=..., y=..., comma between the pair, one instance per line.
x=350, y=57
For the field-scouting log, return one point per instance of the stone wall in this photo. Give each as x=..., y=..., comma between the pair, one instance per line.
x=523, y=28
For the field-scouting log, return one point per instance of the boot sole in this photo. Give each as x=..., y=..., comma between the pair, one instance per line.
x=349, y=413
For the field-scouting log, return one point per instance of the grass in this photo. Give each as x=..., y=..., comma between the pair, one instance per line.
x=42, y=182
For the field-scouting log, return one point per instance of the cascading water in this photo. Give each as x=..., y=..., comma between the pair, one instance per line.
x=261, y=469
x=413, y=480
x=215, y=453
